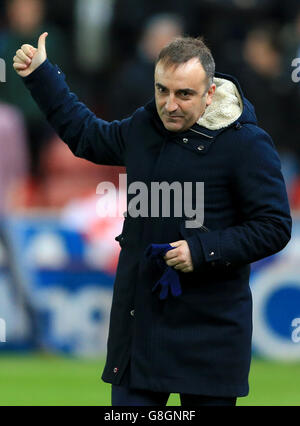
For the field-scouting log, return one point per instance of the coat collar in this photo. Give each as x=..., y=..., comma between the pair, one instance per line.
x=196, y=128
x=208, y=134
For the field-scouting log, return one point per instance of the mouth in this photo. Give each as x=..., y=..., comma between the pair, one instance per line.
x=173, y=117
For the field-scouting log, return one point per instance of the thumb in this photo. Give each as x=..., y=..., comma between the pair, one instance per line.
x=176, y=243
x=42, y=43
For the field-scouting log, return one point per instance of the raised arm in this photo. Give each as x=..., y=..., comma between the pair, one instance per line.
x=87, y=136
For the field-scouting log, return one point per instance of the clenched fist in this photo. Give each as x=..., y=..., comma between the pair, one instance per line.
x=28, y=58
x=180, y=257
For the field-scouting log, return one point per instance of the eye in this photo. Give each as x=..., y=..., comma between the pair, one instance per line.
x=185, y=94
x=161, y=89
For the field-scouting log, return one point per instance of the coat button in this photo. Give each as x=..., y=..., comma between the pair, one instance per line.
x=185, y=140
x=200, y=147
x=115, y=370
x=212, y=253
x=132, y=313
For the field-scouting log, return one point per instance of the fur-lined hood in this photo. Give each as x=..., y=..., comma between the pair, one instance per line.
x=228, y=106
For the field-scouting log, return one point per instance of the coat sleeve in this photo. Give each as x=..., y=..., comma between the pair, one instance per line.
x=261, y=200
x=86, y=135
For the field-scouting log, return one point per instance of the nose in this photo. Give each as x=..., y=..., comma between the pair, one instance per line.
x=171, y=105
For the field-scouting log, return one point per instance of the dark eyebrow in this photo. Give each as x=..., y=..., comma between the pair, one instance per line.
x=160, y=85
x=191, y=91
x=188, y=90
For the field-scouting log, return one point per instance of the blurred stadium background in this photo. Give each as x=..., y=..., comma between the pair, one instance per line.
x=57, y=256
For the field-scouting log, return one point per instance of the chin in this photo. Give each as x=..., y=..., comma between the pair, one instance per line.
x=173, y=127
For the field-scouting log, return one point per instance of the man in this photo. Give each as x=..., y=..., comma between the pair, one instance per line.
x=194, y=340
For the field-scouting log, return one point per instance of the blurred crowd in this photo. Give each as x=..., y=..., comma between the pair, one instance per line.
x=107, y=50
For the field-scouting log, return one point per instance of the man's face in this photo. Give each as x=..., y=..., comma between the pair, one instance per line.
x=181, y=94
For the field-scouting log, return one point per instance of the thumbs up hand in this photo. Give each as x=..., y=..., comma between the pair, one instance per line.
x=28, y=58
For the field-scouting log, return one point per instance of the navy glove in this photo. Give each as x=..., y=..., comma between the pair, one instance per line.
x=169, y=279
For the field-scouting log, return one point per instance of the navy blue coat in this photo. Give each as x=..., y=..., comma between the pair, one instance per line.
x=199, y=342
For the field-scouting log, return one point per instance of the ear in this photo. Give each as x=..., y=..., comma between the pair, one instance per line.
x=210, y=94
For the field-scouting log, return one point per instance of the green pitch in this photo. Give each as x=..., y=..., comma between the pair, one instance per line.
x=37, y=380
